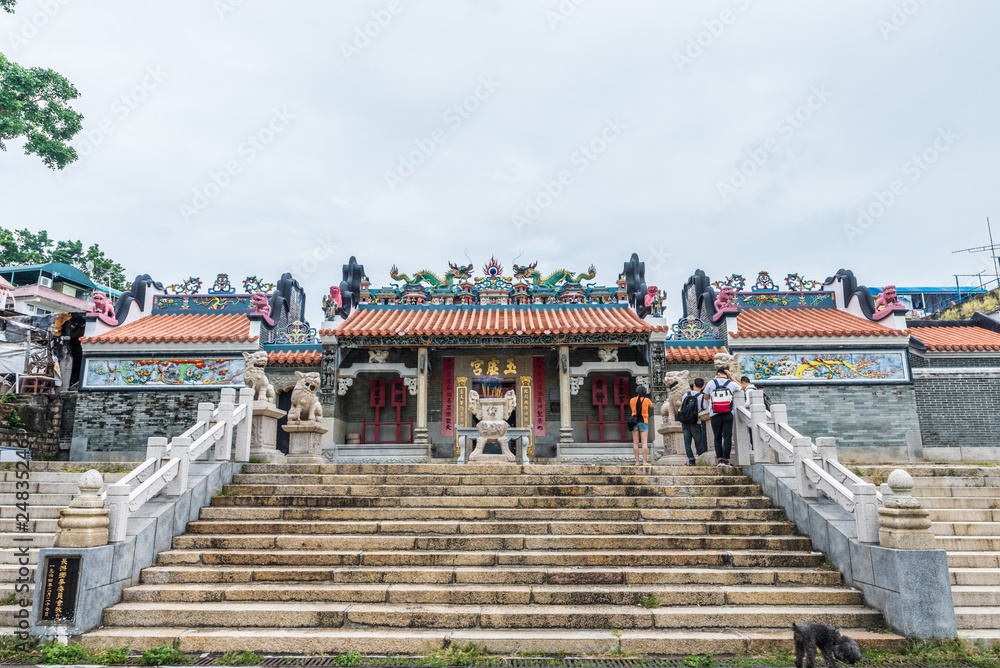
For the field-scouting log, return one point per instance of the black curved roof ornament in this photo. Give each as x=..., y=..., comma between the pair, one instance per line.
x=137, y=293
x=852, y=288
x=699, y=285
x=635, y=284
x=350, y=287
x=281, y=299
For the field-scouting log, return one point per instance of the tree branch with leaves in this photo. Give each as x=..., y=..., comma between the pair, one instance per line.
x=34, y=104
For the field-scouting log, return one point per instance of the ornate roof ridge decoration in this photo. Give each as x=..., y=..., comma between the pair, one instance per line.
x=252, y=284
x=526, y=286
x=297, y=332
x=191, y=286
x=764, y=283
x=692, y=329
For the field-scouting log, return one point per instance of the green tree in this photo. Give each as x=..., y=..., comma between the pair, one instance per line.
x=26, y=247
x=34, y=104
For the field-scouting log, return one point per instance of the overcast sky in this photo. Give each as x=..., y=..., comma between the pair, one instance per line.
x=255, y=137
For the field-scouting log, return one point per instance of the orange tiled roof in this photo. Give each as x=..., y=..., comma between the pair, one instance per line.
x=173, y=328
x=472, y=320
x=697, y=354
x=962, y=337
x=301, y=357
x=806, y=323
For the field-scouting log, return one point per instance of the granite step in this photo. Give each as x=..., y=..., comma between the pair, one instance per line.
x=968, y=543
x=499, y=514
x=971, y=529
x=974, y=596
x=33, y=525
x=522, y=527
x=35, y=512
x=494, y=594
x=527, y=575
x=961, y=502
x=597, y=502
x=977, y=617
x=956, y=492
x=974, y=577
x=465, y=543
x=562, y=558
x=33, y=486
x=492, y=468
x=14, y=540
x=358, y=615
x=489, y=491
x=485, y=480
x=10, y=557
x=37, y=499
x=509, y=641
x=964, y=515
x=959, y=559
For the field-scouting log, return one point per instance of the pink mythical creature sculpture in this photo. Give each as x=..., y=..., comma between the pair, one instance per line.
x=261, y=306
x=888, y=299
x=651, y=295
x=104, y=309
x=335, y=296
x=333, y=303
x=725, y=297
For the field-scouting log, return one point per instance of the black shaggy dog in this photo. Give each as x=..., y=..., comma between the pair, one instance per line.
x=811, y=635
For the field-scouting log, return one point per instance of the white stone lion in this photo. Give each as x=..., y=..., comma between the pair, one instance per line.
x=255, y=378
x=305, y=405
x=679, y=384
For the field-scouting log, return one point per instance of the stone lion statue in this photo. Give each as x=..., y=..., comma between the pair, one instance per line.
x=724, y=298
x=731, y=362
x=305, y=404
x=888, y=299
x=103, y=305
x=679, y=384
x=255, y=378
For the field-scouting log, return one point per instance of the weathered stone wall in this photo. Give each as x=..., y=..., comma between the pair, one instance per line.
x=41, y=416
x=958, y=411
x=121, y=422
x=870, y=420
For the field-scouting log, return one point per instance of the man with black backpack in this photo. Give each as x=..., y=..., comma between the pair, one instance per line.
x=720, y=391
x=692, y=404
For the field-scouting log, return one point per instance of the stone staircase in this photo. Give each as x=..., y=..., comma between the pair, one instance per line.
x=399, y=559
x=50, y=489
x=964, y=505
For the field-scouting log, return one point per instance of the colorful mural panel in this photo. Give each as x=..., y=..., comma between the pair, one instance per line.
x=884, y=366
x=766, y=300
x=141, y=373
x=203, y=303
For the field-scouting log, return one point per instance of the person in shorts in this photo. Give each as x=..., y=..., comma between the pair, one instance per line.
x=640, y=405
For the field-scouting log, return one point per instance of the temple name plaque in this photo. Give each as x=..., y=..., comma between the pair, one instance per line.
x=59, y=589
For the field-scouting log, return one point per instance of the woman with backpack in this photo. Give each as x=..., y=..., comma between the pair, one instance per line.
x=638, y=424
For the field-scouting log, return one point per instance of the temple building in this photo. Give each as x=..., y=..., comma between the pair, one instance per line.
x=403, y=365
x=159, y=351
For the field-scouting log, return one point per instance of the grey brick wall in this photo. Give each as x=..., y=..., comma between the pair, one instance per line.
x=958, y=412
x=857, y=415
x=961, y=361
x=123, y=421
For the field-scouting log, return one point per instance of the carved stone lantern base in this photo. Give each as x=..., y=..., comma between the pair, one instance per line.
x=305, y=443
x=82, y=527
x=264, y=433
x=905, y=529
x=85, y=522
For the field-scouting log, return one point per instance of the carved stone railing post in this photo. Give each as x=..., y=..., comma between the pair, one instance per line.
x=827, y=448
x=205, y=410
x=903, y=523
x=223, y=447
x=742, y=427
x=117, y=504
x=866, y=512
x=242, y=444
x=155, y=446
x=180, y=448
x=802, y=451
x=758, y=415
x=85, y=522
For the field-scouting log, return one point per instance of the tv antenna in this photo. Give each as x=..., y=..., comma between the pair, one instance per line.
x=992, y=248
